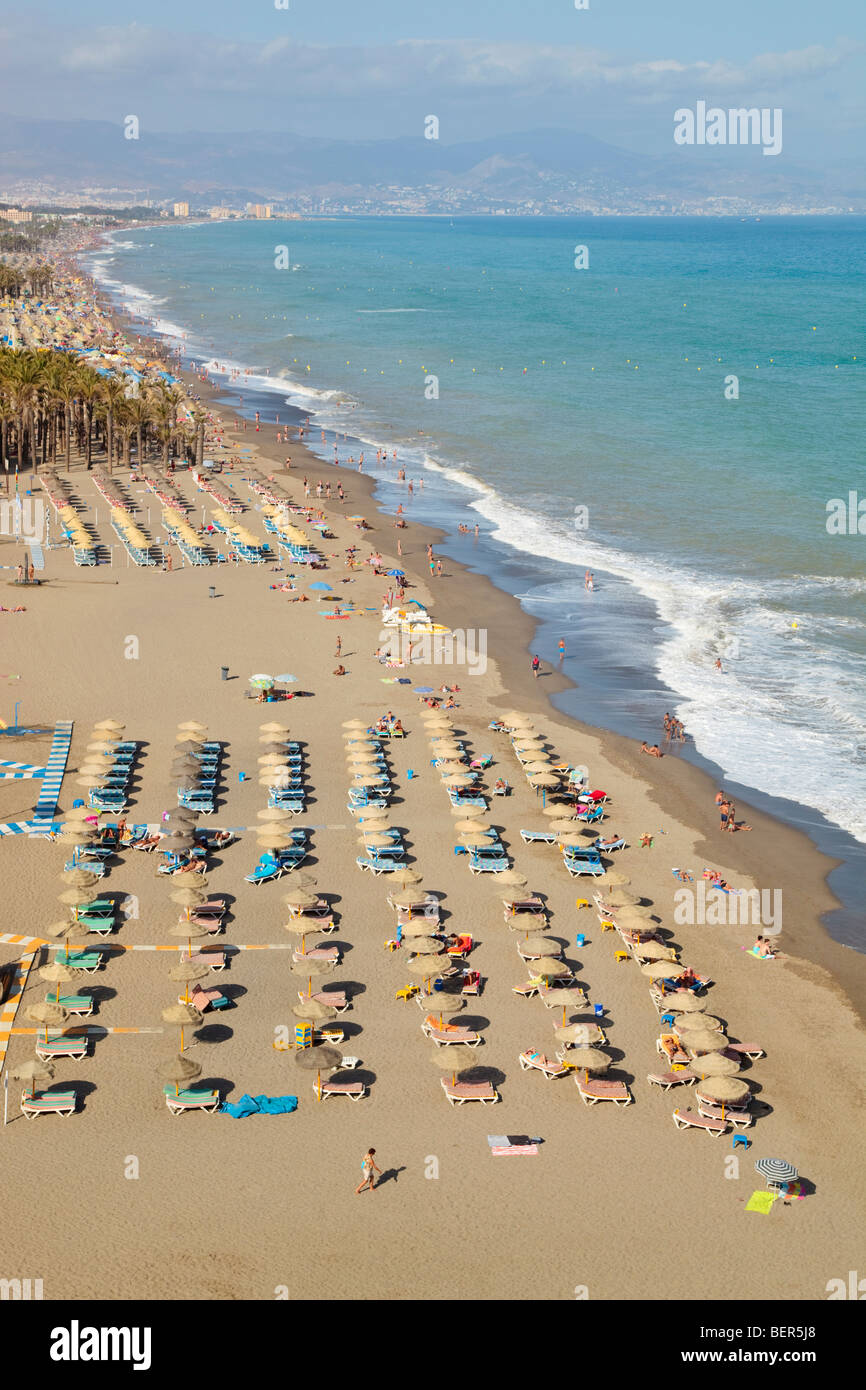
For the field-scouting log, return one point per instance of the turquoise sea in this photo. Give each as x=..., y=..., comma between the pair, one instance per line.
x=676, y=417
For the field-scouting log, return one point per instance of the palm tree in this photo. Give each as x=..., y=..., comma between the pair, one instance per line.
x=88, y=390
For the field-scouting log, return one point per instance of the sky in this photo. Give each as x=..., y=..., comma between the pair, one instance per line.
x=374, y=69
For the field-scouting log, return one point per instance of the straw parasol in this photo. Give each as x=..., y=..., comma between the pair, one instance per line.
x=322, y=1058
x=181, y=1016
x=555, y=812
x=687, y=1023
x=88, y=781
x=540, y=945
x=537, y=766
x=654, y=950
x=723, y=1089
x=375, y=840
x=56, y=974
x=81, y=813
x=272, y=760
x=187, y=971
x=309, y=969
x=589, y=1059
x=580, y=1033
x=417, y=929
x=661, y=970
x=406, y=877
x=634, y=915
x=179, y=1068
x=621, y=897
x=51, y=1015
x=273, y=813
x=457, y=779
x=347, y=724
x=615, y=878
x=442, y=1003
x=471, y=826
x=189, y=932
x=273, y=727
x=274, y=838
x=426, y=946
x=192, y=726
x=511, y=878
x=570, y=841
x=299, y=897
x=313, y=1010
x=33, y=1070
x=698, y=1042
x=714, y=1064
x=187, y=897
x=563, y=827
x=474, y=841
x=112, y=724
x=682, y=1002
x=426, y=969
x=548, y=966
x=100, y=746
x=79, y=878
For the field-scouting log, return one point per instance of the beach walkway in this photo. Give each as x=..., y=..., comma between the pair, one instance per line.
x=54, y=772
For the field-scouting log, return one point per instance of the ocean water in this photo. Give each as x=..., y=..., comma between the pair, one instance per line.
x=675, y=417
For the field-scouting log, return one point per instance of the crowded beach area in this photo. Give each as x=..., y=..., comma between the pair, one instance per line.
x=279, y=896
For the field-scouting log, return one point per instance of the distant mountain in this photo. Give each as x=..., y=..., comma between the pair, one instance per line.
x=539, y=164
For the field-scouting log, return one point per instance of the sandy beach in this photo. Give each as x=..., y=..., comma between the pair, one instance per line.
x=249, y=1208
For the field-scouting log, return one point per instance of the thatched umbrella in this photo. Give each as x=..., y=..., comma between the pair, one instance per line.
x=661, y=970
x=189, y=932
x=273, y=727
x=79, y=878
x=540, y=945
x=274, y=814
x=589, y=1059
x=441, y=1003
x=654, y=950
x=621, y=897
x=56, y=974
x=321, y=1058
x=177, y=1069
x=633, y=915
x=688, y=1023
x=474, y=841
x=425, y=946
x=350, y=724
x=192, y=726
x=714, y=1064
x=188, y=898
x=313, y=1011
x=311, y=969
x=723, y=1089
x=683, y=1002
x=511, y=878
x=185, y=972
x=33, y=1070
x=614, y=878
x=88, y=781
x=548, y=966
x=76, y=835
x=112, y=724
x=300, y=898
x=181, y=1016
x=51, y=1015
x=405, y=877
x=274, y=838
x=698, y=1042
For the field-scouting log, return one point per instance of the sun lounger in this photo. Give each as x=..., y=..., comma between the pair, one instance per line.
x=666, y=1079
x=459, y=1092
x=576, y=867
x=569, y=996
x=489, y=864
x=355, y=1090
x=537, y=1061
x=264, y=873
x=88, y=961
x=76, y=1048
x=79, y=1004
x=740, y=1050
x=689, y=1119
x=329, y=953
x=337, y=998
x=738, y=1116
x=527, y=989
x=668, y=1046
x=533, y=837
x=179, y=1101
x=597, y=1090
x=204, y=999
x=213, y=959
x=377, y=866
x=48, y=1103
x=450, y=1035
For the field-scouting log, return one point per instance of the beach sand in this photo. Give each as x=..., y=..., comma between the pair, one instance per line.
x=617, y=1202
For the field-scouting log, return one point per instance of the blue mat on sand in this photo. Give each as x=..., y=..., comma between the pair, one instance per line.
x=259, y=1105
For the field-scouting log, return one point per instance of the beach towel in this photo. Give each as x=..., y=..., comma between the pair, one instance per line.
x=761, y=1201
x=512, y=1144
x=259, y=1105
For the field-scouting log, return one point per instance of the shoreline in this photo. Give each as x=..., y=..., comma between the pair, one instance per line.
x=764, y=856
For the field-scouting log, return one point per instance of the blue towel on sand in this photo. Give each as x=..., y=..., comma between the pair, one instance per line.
x=259, y=1105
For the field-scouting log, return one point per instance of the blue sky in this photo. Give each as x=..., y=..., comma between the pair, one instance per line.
x=374, y=68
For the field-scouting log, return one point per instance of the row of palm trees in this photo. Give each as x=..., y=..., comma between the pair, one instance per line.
x=38, y=277
x=53, y=403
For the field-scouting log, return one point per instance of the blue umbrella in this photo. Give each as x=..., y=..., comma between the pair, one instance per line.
x=320, y=585
x=398, y=574
x=287, y=680
x=423, y=690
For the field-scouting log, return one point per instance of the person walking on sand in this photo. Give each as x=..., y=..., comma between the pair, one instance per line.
x=368, y=1168
x=561, y=648
x=536, y=666
x=339, y=651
